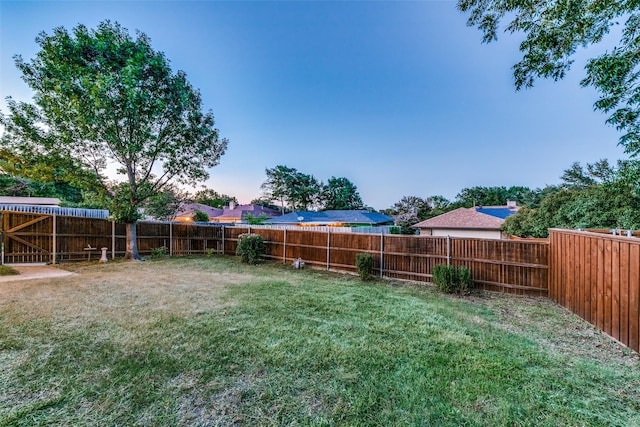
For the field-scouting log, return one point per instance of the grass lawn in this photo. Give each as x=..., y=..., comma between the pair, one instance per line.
x=7, y=271
x=208, y=341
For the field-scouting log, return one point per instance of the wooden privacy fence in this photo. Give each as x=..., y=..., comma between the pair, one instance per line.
x=597, y=276
x=497, y=265
x=40, y=238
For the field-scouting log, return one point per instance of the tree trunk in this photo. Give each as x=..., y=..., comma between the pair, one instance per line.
x=132, y=243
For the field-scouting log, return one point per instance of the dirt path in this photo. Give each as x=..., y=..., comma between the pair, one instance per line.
x=35, y=272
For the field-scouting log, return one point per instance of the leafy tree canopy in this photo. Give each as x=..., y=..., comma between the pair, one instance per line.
x=102, y=97
x=255, y=220
x=405, y=221
x=25, y=187
x=411, y=207
x=267, y=203
x=200, y=216
x=304, y=192
x=438, y=205
x=278, y=182
x=554, y=30
x=340, y=194
x=495, y=196
x=211, y=197
x=410, y=210
x=166, y=203
x=577, y=177
x=597, y=196
x=293, y=188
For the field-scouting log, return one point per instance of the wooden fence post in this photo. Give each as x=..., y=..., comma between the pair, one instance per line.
x=448, y=250
x=223, y=251
x=113, y=239
x=284, y=249
x=53, y=241
x=382, y=254
x=2, y=238
x=328, y=248
x=171, y=238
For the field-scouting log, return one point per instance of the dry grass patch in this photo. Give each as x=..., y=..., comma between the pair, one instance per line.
x=123, y=292
x=5, y=270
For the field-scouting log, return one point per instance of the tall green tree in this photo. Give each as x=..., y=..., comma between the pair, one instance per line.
x=405, y=222
x=553, y=32
x=304, y=192
x=340, y=194
x=290, y=187
x=25, y=187
x=412, y=207
x=481, y=196
x=596, y=196
x=496, y=196
x=102, y=97
x=580, y=178
x=166, y=203
x=278, y=183
x=437, y=205
x=211, y=197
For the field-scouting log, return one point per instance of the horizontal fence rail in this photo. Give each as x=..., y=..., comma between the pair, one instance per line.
x=597, y=276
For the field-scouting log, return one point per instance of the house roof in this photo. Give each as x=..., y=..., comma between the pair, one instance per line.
x=332, y=217
x=468, y=218
x=189, y=209
x=498, y=211
x=239, y=212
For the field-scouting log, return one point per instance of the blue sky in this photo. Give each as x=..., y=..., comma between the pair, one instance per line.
x=400, y=97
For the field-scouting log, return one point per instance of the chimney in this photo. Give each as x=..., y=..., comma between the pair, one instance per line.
x=232, y=205
x=511, y=204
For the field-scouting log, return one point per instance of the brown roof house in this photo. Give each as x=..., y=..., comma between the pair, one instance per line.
x=231, y=214
x=482, y=222
x=238, y=213
x=188, y=210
